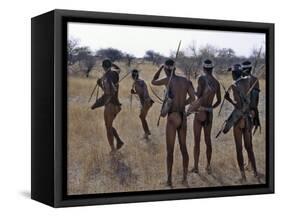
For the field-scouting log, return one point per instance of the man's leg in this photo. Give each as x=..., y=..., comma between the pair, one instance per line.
x=170, y=142
x=249, y=165
x=237, y=131
x=108, y=119
x=197, y=127
x=142, y=116
x=115, y=110
x=207, y=136
x=182, y=142
x=119, y=141
x=249, y=149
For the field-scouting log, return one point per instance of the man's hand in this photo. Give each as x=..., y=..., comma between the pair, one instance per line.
x=133, y=91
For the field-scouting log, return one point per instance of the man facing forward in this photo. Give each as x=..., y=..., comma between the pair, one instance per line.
x=139, y=88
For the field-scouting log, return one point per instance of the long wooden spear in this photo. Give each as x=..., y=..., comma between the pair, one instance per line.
x=94, y=89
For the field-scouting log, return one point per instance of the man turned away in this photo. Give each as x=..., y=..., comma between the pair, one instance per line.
x=177, y=89
x=109, y=83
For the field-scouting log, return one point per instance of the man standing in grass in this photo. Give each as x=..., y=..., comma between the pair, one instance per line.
x=254, y=95
x=241, y=119
x=139, y=88
x=208, y=87
x=109, y=83
x=177, y=89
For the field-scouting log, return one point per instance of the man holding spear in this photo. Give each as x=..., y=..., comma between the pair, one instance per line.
x=241, y=119
x=139, y=88
x=177, y=88
x=109, y=83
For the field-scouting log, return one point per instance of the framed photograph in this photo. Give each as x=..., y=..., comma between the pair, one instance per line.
x=134, y=108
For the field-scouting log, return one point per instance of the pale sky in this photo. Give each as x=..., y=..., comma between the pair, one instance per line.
x=136, y=40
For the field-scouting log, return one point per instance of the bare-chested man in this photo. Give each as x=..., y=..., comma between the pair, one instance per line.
x=139, y=87
x=208, y=87
x=241, y=117
x=109, y=84
x=177, y=88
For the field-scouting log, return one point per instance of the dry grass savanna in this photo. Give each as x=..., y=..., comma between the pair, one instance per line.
x=141, y=164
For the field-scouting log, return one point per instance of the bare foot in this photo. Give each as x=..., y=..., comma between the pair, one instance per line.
x=243, y=179
x=112, y=152
x=169, y=184
x=209, y=170
x=185, y=183
x=119, y=144
x=248, y=167
x=258, y=177
x=195, y=170
x=166, y=184
x=146, y=136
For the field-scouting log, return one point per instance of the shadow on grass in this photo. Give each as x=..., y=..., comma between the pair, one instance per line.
x=121, y=169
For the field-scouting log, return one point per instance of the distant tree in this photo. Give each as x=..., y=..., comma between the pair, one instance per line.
x=110, y=53
x=89, y=63
x=72, y=45
x=149, y=55
x=208, y=51
x=82, y=53
x=224, y=59
x=226, y=53
x=196, y=60
x=84, y=57
x=155, y=57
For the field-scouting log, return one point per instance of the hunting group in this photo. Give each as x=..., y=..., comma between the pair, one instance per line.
x=181, y=100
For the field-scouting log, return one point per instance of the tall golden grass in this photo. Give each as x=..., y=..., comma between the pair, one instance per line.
x=141, y=164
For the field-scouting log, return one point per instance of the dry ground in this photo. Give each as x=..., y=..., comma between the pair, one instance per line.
x=141, y=164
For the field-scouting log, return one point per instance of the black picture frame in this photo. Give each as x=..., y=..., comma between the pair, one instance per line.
x=49, y=116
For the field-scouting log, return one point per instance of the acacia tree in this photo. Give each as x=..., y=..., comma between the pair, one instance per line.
x=196, y=59
x=208, y=51
x=154, y=57
x=225, y=58
x=110, y=53
x=85, y=58
x=72, y=45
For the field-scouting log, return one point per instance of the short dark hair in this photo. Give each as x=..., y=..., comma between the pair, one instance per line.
x=135, y=73
x=208, y=64
x=236, y=71
x=106, y=63
x=169, y=62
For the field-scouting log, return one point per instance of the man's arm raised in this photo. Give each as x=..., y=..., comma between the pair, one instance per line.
x=155, y=80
